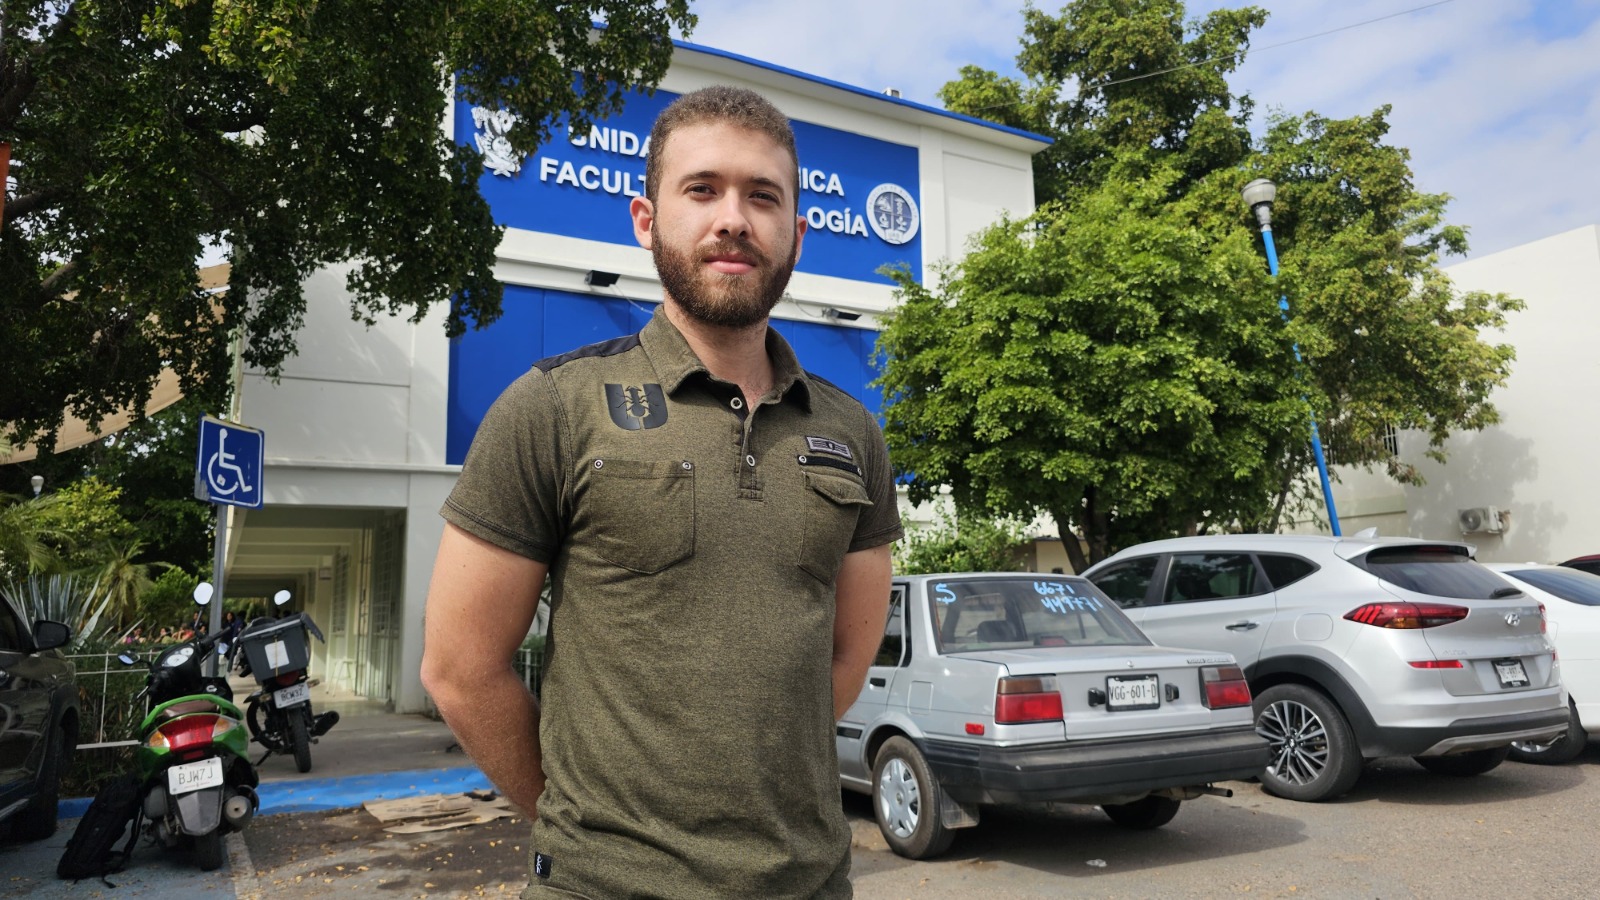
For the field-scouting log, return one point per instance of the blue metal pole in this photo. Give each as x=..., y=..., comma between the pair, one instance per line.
x=1316, y=438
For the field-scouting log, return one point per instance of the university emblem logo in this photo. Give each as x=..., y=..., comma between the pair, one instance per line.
x=893, y=213
x=636, y=407
x=493, y=127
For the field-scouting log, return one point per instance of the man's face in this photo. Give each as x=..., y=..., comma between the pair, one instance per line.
x=723, y=229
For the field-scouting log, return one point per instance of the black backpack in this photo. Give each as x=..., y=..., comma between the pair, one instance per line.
x=92, y=853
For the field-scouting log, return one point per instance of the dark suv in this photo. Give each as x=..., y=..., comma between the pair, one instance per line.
x=38, y=723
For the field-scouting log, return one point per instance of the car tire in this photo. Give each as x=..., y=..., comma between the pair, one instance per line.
x=906, y=800
x=1464, y=765
x=1314, y=752
x=1563, y=749
x=1143, y=814
x=37, y=820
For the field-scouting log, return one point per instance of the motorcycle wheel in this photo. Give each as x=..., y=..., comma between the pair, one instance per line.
x=208, y=851
x=301, y=739
x=254, y=711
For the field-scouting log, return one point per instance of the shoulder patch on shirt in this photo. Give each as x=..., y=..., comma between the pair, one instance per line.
x=541, y=865
x=635, y=407
x=824, y=445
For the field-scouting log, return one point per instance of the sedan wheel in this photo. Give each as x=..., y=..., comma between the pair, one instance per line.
x=1314, y=752
x=906, y=799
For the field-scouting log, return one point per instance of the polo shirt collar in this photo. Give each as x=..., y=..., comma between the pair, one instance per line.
x=675, y=362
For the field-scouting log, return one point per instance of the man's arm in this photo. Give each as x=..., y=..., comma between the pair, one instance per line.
x=862, y=600
x=480, y=604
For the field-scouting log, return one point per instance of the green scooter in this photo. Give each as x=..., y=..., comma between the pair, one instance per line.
x=192, y=776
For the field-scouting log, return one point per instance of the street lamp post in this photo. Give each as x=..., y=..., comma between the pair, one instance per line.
x=1258, y=196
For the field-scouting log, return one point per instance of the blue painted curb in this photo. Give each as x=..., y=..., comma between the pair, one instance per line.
x=339, y=793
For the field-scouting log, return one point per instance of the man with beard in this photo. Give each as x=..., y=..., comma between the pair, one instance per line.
x=716, y=526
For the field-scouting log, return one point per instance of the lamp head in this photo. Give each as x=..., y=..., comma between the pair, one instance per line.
x=1258, y=197
x=38, y=484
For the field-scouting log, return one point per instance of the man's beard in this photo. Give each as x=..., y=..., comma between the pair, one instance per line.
x=710, y=297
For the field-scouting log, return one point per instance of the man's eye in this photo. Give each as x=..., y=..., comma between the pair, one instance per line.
x=765, y=195
x=700, y=189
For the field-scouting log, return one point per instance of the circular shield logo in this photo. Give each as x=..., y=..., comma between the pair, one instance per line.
x=893, y=213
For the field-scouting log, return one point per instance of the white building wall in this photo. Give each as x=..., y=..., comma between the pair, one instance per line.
x=1536, y=465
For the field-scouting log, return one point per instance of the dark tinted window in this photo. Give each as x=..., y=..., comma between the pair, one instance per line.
x=1127, y=582
x=1283, y=571
x=1435, y=571
x=1211, y=576
x=1568, y=584
x=892, y=651
x=1592, y=566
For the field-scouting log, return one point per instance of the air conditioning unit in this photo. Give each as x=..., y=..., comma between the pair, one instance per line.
x=1485, y=519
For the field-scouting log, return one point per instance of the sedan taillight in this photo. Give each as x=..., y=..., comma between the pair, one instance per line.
x=1021, y=700
x=1225, y=687
x=1407, y=615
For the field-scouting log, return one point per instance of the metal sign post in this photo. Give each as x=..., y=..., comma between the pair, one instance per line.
x=228, y=472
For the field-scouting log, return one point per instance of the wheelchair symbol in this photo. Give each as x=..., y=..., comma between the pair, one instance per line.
x=220, y=465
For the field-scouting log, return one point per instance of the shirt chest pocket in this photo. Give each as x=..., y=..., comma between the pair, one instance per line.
x=641, y=512
x=833, y=506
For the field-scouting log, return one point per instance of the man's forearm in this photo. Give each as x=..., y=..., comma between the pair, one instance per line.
x=498, y=726
x=848, y=678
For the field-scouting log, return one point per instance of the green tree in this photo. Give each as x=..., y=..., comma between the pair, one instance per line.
x=969, y=542
x=83, y=520
x=298, y=134
x=1118, y=359
x=168, y=602
x=27, y=536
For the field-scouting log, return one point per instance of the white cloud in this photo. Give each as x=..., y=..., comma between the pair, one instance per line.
x=1496, y=99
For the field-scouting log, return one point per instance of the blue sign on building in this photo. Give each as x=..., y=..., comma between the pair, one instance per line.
x=229, y=466
x=860, y=195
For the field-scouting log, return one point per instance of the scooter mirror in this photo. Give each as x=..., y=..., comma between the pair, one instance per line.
x=125, y=659
x=280, y=598
x=203, y=592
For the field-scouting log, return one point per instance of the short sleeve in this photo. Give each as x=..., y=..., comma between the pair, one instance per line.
x=881, y=524
x=509, y=492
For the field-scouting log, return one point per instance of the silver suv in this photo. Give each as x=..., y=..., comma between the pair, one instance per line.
x=1354, y=648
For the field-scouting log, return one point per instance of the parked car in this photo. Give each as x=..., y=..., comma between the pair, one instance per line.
x=38, y=722
x=1006, y=688
x=1572, y=603
x=1355, y=648
x=1589, y=563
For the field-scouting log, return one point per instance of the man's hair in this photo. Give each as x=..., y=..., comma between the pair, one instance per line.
x=717, y=104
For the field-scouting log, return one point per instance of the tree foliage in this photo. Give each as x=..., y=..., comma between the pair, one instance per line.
x=300, y=134
x=1119, y=359
x=969, y=542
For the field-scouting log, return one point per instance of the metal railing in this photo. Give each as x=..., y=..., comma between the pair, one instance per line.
x=529, y=663
x=96, y=672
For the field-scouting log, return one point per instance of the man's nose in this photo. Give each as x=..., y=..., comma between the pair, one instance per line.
x=731, y=218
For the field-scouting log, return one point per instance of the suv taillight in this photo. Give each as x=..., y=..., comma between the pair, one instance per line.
x=1225, y=687
x=1020, y=700
x=1407, y=615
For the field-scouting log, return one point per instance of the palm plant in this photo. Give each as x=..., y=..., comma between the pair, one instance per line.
x=58, y=598
x=27, y=534
x=124, y=580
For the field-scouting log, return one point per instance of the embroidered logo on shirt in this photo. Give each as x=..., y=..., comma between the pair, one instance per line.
x=541, y=865
x=823, y=445
x=636, y=407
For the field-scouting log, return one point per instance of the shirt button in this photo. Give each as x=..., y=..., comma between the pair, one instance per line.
x=599, y=464
x=687, y=465
x=737, y=403
x=750, y=461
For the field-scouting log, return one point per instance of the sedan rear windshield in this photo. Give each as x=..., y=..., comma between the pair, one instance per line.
x=1013, y=613
x=1437, y=572
x=1568, y=584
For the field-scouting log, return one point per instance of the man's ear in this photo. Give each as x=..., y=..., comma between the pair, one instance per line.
x=644, y=215
x=800, y=225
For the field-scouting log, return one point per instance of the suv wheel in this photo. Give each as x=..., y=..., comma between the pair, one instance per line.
x=1314, y=752
x=1565, y=748
x=1464, y=765
x=905, y=798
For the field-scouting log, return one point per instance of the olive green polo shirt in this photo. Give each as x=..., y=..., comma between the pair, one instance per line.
x=687, y=723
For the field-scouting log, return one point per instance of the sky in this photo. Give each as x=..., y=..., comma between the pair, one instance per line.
x=1497, y=100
